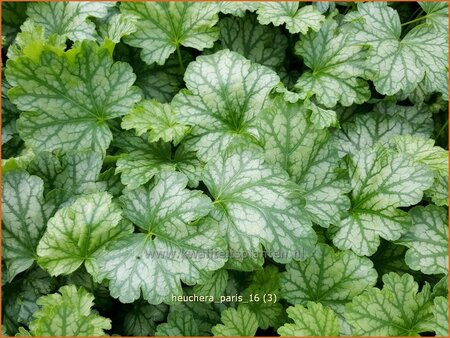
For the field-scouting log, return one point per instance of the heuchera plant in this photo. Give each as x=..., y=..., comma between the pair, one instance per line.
x=225, y=168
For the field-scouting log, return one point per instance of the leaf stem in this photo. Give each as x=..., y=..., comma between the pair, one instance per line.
x=415, y=20
x=415, y=14
x=180, y=59
x=111, y=126
x=111, y=158
x=442, y=129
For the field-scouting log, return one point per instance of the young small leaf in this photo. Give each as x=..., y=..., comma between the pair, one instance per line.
x=68, y=313
x=237, y=322
x=315, y=320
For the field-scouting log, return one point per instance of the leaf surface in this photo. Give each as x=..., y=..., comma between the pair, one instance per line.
x=423, y=151
x=236, y=322
x=386, y=121
x=140, y=321
x=308, y=154
x=427, y=240
x=396, y=310
x=77, y=233
x=222, y=106
x=316, y=320
x=23, y=222
x=382, y=181
x=262, y=44
x=254, y=204
x=159, y=119
x=399, y=63
x=68, y=313
x=297, y=20
x=337, y=67
x=88, y=85
x=162, y=27
x=441, y=315
x=68, y=19
x=180, y=323
x=140, y=160
x=328, y=277
x=169, y=249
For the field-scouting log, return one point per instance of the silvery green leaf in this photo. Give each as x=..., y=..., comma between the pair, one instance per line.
x=337, y=67
x=79, y=172
x=78, y=232
x=118, y=26
x=297, y=20
x=238, y=8
x=436, y=14
x=88, y=85
x=255, y=204
x=396, y=310
x=225, y=94
x=314, y=320
x=261, y=44
x=237, y=322
x=320, y=117
x=47, y=166
x=69, y=175
x=175, y=244
x=23, y=221
x=309, y=156
x=75, y=172
x=398, y=63
x=141, y=160
x=205, y=314
x=387, y=120
x=328, y=277
x=423, y=151
x=428, y=45
x=441, y=316
x=140, y=320
x=180, y=323
x=68, y=19
x=427, y=240
x=159, y=119
x=212, y=283
x=324, y=6
x=68, y=313
x=162, y=27
x=382, y=181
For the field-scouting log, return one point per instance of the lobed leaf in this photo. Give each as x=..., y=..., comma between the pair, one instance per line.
x=312, y=321
x=86, y=83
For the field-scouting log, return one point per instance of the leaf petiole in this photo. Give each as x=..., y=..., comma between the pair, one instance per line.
x=414, y=20
x=180, y=59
